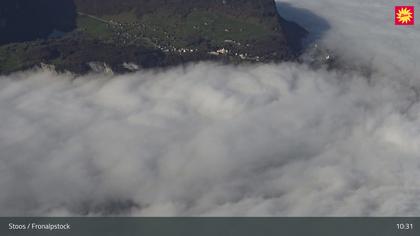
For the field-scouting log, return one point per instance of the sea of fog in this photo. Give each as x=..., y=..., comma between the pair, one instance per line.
x=212, y=140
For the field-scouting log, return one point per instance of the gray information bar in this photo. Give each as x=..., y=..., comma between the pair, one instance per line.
x=209, y=226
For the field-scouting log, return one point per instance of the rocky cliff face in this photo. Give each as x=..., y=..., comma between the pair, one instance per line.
x=24, y=20
x=145, y=32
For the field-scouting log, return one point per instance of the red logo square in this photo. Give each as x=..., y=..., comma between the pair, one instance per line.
x=404, y=15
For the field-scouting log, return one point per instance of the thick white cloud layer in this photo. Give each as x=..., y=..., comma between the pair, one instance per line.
x=362, y=32
x=205, y=139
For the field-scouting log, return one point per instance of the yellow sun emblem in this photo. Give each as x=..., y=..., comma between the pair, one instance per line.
x=404, y=15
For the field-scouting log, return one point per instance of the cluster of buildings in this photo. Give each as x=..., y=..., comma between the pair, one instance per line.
x=131, y=33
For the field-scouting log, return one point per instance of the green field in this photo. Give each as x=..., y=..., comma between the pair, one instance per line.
x=124, y=17
x=93, y=27
x=175, y=30
x=10, y=57
x=217, y=28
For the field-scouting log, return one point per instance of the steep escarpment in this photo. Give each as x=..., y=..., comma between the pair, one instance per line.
x=148, y=33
